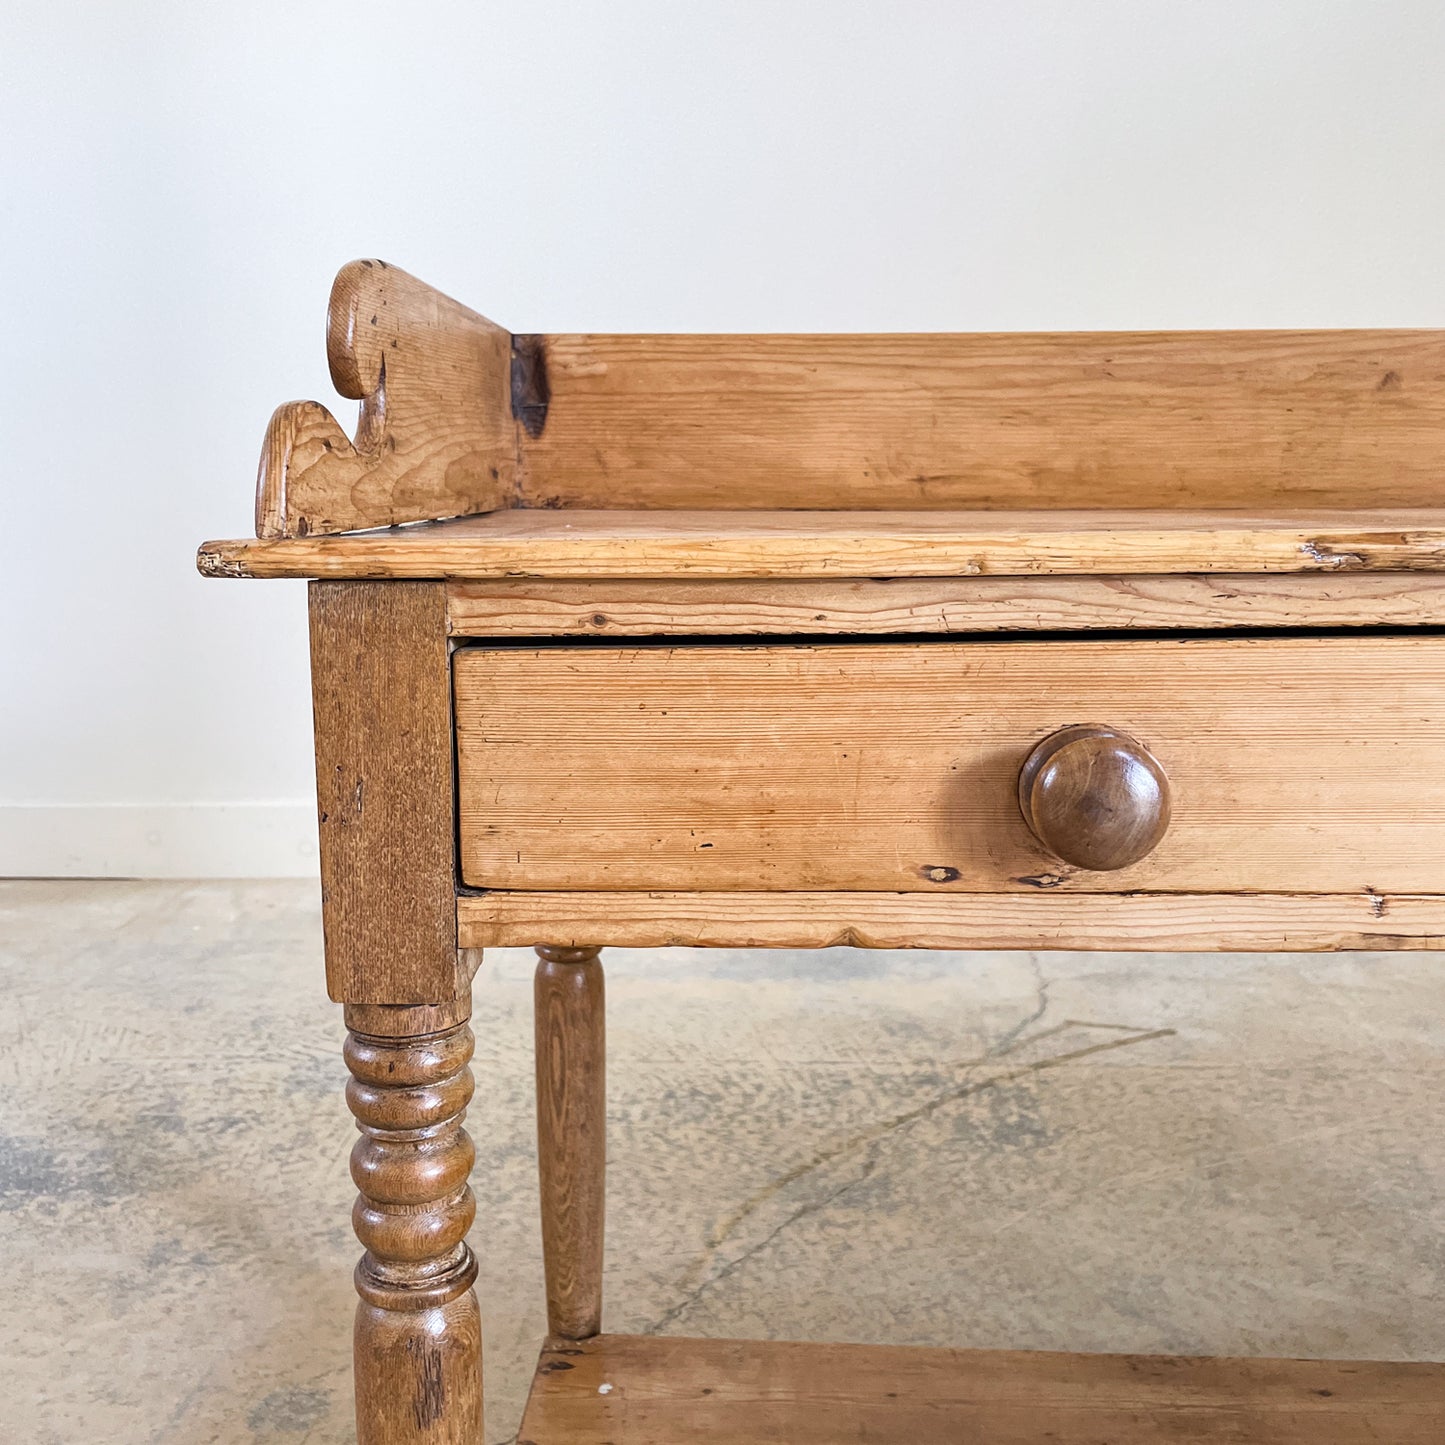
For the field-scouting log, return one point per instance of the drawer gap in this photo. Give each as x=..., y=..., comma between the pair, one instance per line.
x=754, y=641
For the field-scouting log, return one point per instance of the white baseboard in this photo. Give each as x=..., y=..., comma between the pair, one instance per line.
x=203, y=840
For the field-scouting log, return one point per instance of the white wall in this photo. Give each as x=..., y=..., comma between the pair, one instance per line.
x=179, y=181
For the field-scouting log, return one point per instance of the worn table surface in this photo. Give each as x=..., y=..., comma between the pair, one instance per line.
x=682, y=543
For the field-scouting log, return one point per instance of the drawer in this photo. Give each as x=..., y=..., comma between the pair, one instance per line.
x=1290, y=764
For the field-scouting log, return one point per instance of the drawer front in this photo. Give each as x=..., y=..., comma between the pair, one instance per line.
x=1298, y=764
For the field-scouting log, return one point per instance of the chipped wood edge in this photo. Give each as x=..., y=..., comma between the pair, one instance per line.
x=1265, y=547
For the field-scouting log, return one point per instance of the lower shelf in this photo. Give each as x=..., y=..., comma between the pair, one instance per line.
x=635, y=1390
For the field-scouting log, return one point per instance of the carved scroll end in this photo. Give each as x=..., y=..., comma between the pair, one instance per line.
x=300, y=436
x=435, y=436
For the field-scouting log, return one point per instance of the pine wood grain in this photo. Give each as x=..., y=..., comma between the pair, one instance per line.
x=571, y=1043
x=1112, y=922
x=523, y=607
x=385, y=801
x=631, y=1390
x=435, y=436
x=1126, y=419
x=854, y=544
x=1297, y=764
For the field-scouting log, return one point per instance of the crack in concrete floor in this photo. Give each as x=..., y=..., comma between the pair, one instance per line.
x=701, y=1277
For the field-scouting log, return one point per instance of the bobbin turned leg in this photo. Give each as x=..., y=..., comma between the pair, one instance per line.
x=571, y=1134
x=418, y=1328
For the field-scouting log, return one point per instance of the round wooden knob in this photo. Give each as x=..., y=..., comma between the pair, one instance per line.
x=1095, y=797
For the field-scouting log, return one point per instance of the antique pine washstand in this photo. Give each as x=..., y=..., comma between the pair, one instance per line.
x=1111, y=641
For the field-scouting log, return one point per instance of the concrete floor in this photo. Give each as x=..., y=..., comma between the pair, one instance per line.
x=1236, y=1154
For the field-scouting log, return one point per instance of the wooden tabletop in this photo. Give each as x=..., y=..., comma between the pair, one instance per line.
x=747, y=543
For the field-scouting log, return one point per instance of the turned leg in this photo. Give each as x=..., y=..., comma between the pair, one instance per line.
x=571, y=1134
x=418, y=1329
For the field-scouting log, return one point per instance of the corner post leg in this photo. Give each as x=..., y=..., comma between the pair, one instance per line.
x=571, y=1134
x=418, y=1327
